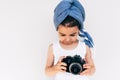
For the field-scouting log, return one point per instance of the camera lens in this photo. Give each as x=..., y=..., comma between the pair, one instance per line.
x=75, y=68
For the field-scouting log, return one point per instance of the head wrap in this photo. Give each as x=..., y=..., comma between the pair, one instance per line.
x=74, y=9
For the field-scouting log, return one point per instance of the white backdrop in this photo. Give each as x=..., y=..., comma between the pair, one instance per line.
x=26, y=30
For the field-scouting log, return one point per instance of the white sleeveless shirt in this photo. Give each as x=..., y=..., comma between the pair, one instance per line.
x=58, y=51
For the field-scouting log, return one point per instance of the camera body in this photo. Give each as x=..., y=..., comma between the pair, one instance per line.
x=74, y=64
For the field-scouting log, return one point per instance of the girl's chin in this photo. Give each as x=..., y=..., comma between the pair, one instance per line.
x=67, y=43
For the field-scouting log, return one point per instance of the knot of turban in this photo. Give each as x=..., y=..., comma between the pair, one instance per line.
x=74, y=9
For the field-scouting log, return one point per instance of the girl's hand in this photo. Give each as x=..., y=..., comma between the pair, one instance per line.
x=89, y=69
x=60, y=66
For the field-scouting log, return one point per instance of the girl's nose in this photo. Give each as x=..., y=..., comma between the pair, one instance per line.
x=67, y=39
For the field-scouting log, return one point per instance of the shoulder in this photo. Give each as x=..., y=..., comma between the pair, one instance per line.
x=52, y=44
x=88, y=51
x=87, y=48
x=50, y=47
x=50, y=51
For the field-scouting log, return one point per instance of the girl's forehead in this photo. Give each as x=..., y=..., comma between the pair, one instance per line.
x=68, y=30
x=61, y=27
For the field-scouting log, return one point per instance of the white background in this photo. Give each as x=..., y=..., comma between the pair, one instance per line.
x=26, y=30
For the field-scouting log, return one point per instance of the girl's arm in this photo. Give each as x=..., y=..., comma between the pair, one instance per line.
x=51, y=69
x=90, y=67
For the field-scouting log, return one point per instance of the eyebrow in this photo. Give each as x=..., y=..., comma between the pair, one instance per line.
x=70, y=34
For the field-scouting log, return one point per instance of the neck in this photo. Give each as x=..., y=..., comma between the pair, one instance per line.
x=71, y=46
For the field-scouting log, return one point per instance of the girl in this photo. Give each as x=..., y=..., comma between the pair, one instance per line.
x=69, y=26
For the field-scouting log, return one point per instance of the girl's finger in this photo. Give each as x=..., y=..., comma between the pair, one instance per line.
x=87, y=66
x=84, y=72
x=61, y=58
x=63, y=64
x=63, y=68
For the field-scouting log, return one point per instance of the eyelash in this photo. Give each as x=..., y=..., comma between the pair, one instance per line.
x=70, y=35
x=62, y=35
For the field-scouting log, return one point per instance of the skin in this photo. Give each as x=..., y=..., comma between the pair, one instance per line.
x=68, y=40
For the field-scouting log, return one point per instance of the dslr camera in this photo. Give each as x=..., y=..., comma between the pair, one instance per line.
x=74, y=64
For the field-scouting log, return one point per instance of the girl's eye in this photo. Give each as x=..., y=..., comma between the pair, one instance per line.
x=63, y=35
x=72, y=35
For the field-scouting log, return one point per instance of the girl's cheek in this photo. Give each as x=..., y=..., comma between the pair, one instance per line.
x=74, y=38
x=61, y=39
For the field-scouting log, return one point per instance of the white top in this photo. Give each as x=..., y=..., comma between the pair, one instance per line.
x=58, y=51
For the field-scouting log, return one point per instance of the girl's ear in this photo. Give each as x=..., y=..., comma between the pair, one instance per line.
x=57, y=28
x=78, y=32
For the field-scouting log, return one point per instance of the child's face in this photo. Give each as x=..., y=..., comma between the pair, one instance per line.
x=68, y=35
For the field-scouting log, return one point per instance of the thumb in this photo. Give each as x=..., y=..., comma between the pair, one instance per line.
x=85, y=60
x=61, y=58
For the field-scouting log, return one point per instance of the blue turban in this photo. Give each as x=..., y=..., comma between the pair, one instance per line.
x=74, y=9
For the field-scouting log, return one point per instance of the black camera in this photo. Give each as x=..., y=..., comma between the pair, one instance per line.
x=74, y=64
